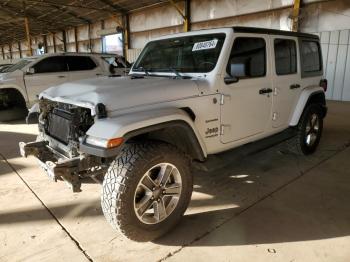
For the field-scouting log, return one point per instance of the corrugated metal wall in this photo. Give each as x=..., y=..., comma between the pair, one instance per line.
x=336, y=60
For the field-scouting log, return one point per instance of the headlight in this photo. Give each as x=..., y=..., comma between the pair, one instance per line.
x=105, y=143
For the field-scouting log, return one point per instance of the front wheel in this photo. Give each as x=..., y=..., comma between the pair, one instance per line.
x=309, y=131
x=146, y=190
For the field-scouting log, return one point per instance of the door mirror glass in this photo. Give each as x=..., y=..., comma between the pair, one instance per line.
x=31, y=71
x=238, y=70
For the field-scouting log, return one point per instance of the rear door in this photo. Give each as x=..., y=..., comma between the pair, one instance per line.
x=82, y=67
x=50, y=71
x=286, y=79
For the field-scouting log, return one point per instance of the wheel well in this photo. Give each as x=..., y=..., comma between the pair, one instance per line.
x=320, y=99
x=11, y=97
x=317, y=98
x=177, y=133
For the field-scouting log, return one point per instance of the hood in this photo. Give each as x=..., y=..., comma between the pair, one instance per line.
x=7, y=77
x=122, y=92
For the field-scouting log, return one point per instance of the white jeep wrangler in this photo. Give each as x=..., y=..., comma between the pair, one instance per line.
x=187, y=96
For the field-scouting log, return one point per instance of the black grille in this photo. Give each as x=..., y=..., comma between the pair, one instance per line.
x=60, y=125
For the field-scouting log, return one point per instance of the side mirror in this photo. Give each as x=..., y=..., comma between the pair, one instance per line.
x=30, y=71
x=237, y=71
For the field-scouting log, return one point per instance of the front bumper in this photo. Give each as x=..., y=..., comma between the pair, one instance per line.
x=56, y=166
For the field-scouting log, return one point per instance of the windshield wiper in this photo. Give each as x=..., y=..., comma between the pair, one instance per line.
x=178, y=75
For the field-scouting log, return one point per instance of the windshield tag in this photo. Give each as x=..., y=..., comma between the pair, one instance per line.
x=205, y=45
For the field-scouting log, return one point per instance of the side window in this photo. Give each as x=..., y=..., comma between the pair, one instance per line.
x=80, y=63
x=285, y=56
x=52, y=64
x=248, y=57
x=311, y=56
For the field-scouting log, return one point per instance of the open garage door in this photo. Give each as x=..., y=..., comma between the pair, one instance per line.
x=336, y=61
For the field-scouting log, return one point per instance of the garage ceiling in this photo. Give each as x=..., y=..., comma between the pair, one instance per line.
x=53, y=15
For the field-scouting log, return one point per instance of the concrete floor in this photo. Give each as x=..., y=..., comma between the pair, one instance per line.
x=270, y=206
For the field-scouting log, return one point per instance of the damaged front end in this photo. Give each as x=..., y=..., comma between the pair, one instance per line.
x=62, y=129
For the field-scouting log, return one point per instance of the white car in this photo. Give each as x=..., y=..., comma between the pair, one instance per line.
x=188, y=96
x=21, y=84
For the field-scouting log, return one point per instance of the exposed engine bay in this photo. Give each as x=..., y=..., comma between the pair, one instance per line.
x=67, y=124
x=62, y=128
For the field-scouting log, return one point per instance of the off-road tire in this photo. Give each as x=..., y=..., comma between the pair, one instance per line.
x=122, y=178
x=297, y=144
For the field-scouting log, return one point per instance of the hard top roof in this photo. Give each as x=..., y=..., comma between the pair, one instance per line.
x=242, y=29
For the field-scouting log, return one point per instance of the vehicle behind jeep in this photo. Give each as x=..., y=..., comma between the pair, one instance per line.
x=188, y=96
x=22, y=82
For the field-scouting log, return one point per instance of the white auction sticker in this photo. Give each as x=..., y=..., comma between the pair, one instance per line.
x=205, y=45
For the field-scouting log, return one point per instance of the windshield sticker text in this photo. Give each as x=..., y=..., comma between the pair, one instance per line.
x=204, y=45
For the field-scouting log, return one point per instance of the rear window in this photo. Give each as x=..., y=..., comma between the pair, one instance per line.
x=311, y=56
x=285, y=56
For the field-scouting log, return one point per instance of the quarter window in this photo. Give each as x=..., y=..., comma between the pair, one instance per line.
x=249, y=53
x=80, y=63
x=311, y=56
x=285, y=56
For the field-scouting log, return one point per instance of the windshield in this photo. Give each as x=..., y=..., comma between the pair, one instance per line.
x=19, y=65
x=190, y=54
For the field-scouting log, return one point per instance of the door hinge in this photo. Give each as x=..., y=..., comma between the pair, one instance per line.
x=274, y=116
x=222, y=127
x=222, y=98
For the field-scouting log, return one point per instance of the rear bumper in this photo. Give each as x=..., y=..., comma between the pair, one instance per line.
x=56, y=166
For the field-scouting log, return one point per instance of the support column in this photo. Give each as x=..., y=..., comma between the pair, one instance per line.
x=89, y=34
x=64, y=40
x=187, y=18
x=295, y=15
x=76, y=39
x=186, y=15
x=54, y=42
x=3, y=52
x=126, y=35
x=26, y=24
x=10, y=49
x=19, y=49
x=45, y=44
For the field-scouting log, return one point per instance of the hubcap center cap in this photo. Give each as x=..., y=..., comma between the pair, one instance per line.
x=157, y=193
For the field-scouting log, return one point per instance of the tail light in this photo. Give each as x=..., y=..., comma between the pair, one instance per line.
x=324, y=84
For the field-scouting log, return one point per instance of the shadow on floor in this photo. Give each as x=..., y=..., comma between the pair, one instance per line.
x=9, y=143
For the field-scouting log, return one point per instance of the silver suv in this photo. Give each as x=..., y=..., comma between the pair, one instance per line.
x=188, y=96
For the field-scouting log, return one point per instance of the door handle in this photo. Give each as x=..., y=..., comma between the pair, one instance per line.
x=265, y=91
x=61, y=76
x=294, y=86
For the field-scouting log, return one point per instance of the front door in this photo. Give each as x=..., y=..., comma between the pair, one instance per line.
x=50, y=71
x=246, y=105
x=286, y=79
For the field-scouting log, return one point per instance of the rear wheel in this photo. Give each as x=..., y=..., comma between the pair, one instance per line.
x=146, y=190
x=309, y=131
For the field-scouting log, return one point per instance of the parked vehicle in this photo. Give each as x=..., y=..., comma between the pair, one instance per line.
x=3, y=67
x=24, y=81
x=188, y=96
